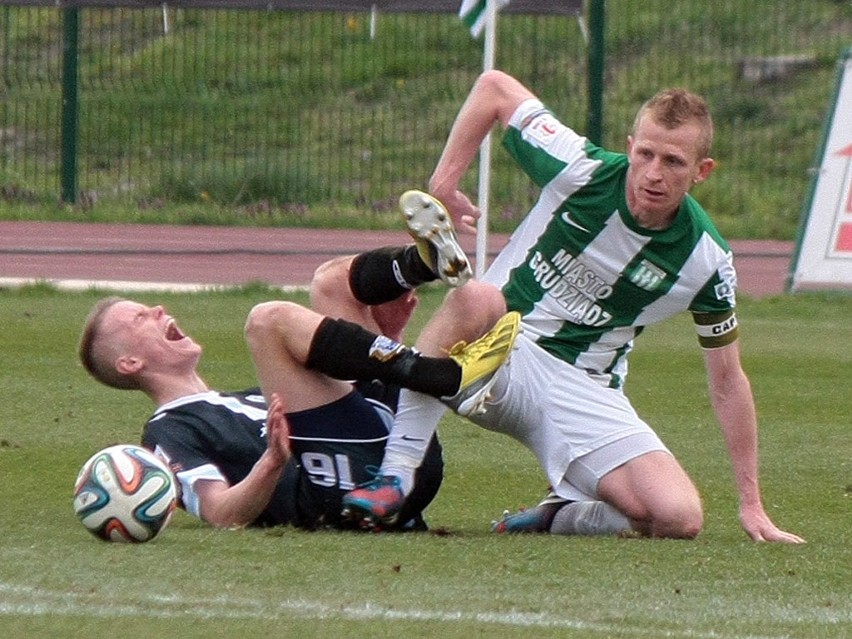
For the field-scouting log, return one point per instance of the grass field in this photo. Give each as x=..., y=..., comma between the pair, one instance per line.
x=58, y=581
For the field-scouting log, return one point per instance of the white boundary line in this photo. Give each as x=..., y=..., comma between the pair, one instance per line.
x=31, y=601
x=133, y=287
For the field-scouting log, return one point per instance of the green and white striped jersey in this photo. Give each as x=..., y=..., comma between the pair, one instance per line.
x=586, y=278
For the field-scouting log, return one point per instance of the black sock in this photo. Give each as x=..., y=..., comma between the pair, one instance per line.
x=345, y=350
x=383, y=274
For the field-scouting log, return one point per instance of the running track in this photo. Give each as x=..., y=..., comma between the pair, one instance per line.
x=161, y=257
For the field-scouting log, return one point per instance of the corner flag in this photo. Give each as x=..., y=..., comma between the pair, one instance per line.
x=481, y=15
x=473, y=14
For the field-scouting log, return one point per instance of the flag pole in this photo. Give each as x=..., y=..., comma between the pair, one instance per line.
x=483, y=198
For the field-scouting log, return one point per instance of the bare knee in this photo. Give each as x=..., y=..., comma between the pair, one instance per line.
x=330, y=281
x=673, y=521
x=477, y=304
x=658, y=497
x=467, y=313
x=678, y=521
x=271, y=321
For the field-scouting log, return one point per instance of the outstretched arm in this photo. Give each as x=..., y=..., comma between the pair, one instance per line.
x=732, y=400
x=227, y=506
x=493, y=98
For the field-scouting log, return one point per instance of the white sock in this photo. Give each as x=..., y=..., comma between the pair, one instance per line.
x=415, y=423
x=589, y=518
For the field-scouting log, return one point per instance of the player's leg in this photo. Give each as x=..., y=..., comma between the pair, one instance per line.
x=294, y=348
x=307, y=358
x=365, y=296
x=466, y=313
x=559, y=516
x=431, y=227
x=333, y=292
x=374, y=288
x=627, y=481
x=330, y=293
x=649, y=494
x=383, y=275
x=277, y=334
x=473, y=327
x=654, y=491
x=344, y=350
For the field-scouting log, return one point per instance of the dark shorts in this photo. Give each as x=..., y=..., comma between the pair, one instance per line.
x=339, y=446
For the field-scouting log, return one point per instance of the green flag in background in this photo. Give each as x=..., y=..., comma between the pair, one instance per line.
x=472, y=13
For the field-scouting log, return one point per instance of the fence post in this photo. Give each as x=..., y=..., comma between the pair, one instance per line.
x=595, y=70
x=70, y=90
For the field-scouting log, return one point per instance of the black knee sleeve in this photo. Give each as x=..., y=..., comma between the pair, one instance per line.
x=345, y=350
x=383, y=274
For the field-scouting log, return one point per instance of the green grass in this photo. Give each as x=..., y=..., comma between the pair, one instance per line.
x=56, y=580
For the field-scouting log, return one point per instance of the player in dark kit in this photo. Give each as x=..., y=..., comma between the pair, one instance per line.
x=216, y=436
x=239, y=459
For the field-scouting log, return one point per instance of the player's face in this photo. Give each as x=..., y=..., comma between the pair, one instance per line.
x=664, y=164
x=149, y=333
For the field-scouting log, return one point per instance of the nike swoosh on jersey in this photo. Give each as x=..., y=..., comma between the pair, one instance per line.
x=566, y=217
x=409, y=438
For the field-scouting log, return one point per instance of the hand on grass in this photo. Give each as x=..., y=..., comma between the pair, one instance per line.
x=759, y=527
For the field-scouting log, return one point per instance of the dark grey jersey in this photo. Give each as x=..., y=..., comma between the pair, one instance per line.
x=335, y=447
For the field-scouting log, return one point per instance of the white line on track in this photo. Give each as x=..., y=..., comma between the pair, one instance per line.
x=31, y=601
x=128, y=286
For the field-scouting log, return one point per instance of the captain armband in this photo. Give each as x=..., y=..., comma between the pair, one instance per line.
x=716, y=329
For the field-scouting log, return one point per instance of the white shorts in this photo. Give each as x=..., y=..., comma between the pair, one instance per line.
x=578, y=429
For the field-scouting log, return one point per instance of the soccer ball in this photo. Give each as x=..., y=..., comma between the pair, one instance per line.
x=125, y=493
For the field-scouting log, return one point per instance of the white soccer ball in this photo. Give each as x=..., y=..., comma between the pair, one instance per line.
x=125, y=493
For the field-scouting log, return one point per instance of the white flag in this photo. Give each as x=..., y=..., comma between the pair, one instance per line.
x=473, y=14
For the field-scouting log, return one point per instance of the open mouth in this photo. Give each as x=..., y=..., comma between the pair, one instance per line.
x=173, y=333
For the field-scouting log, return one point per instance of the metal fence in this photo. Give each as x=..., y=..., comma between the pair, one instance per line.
x=300, y=105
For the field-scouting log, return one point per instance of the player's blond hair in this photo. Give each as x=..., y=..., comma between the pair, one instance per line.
x=96, y=352
x=672, y=108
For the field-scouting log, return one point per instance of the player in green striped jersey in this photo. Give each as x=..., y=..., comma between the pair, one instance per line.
x=613, y=244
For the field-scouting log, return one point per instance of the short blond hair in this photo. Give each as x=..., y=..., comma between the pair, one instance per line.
x=672, y=108
x=97, y=354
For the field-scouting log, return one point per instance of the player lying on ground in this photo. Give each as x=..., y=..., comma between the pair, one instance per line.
x=239, y=463
x=614, y=243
